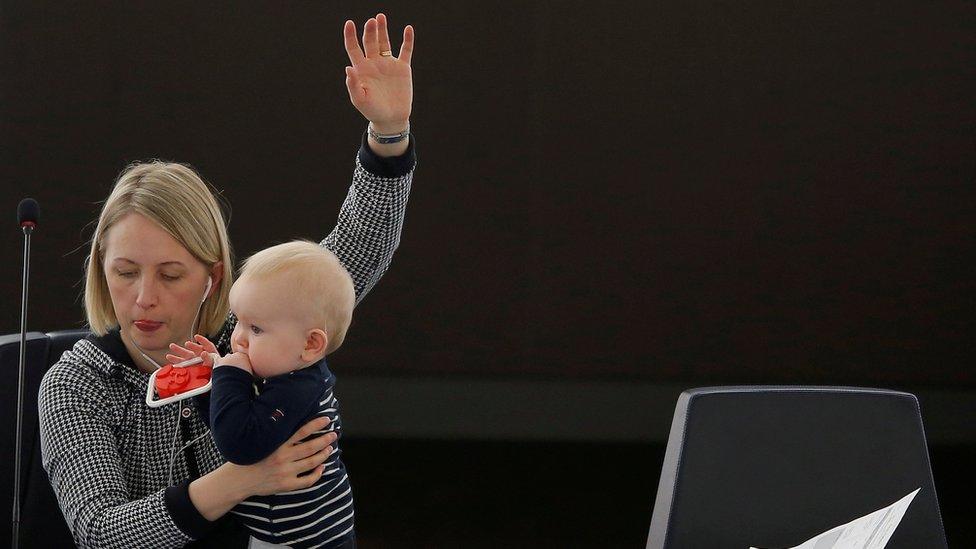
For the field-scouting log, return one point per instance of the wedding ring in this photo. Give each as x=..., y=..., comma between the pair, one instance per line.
x=386, y=53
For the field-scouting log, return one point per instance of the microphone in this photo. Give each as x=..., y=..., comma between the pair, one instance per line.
x=28, y=211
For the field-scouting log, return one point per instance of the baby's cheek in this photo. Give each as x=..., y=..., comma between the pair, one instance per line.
x=257, y=365
x=263, y=367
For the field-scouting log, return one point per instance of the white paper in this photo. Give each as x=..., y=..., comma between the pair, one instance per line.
x=872, y=531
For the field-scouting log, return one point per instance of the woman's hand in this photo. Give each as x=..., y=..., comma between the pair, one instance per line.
x=217, y=492
x=280, y=471
x=380, y=86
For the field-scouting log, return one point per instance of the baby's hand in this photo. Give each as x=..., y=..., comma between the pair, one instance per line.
x=199, y=347
x=237, y=360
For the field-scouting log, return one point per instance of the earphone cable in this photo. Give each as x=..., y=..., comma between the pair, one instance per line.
x=172, y=446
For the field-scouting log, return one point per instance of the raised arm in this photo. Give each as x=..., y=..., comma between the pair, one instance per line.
x=380, y=86
x=370, y=221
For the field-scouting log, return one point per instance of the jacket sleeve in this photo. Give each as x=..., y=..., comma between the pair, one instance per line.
x=371, y=218
x=81, y=458
x=248, y=428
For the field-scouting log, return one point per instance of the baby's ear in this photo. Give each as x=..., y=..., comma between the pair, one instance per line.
x=316, y=342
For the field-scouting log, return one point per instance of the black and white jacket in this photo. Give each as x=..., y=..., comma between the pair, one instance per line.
x=108, y=455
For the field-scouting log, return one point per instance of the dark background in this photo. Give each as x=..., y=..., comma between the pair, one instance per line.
x=652, y=193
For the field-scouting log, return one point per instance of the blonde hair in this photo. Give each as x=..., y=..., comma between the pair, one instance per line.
x=177, y=199
x=318, y=276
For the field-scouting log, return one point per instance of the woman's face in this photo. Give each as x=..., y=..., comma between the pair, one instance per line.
x=155, y=283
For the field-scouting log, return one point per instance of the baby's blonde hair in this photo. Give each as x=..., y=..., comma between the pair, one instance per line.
x=317, y=275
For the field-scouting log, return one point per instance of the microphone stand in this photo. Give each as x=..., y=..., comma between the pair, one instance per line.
x=28, y=228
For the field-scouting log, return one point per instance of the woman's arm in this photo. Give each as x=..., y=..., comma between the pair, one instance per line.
x=80, y=455
x=371, y=219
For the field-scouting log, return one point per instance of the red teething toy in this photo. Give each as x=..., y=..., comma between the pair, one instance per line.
x=172, y=381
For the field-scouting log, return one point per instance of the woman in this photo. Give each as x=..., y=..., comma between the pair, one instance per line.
x=159, y=270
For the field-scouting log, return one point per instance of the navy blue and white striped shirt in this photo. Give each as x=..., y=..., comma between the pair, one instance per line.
x=251, y=420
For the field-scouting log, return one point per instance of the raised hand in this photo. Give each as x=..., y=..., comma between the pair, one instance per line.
x=380, y=85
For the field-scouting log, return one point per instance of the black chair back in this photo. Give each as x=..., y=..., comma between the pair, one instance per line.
x=41, y=521
x=775, y=466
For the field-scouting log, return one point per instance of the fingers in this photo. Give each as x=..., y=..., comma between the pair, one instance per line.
x=371, y=43
x=376, y=38
x=311, y=478
x=353, y=50
x=313, y=460
x=304, y=450
x=205, y=343
x=179, y=354
x=309, y=429
x=238, y=360
x=301, y=462
x=191, y=347
x=406, y=49
x=177, y=349
x=209, y=359
x=383, y=37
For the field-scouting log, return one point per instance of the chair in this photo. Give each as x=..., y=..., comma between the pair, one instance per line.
x=774, y=466
x=41, y=521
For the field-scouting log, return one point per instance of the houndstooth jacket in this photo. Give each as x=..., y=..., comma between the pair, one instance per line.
x=108, y=455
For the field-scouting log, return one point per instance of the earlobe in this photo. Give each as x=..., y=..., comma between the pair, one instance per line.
x=316, y=342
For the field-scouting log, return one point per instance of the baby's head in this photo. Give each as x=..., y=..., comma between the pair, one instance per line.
x=293, y=304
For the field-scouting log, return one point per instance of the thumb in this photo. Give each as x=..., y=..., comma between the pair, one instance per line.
x=209, y=359
x=354, y=86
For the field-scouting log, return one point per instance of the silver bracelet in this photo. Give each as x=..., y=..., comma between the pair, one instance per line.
x=388, y=139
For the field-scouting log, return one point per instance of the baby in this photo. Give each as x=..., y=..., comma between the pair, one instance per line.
x=293, y=304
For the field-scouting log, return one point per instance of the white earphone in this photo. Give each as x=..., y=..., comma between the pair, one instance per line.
x=206, y=291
